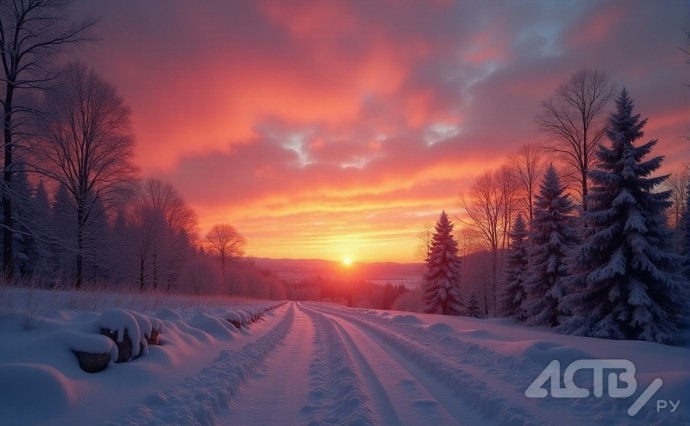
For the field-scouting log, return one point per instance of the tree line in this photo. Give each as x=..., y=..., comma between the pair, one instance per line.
x=353, y=292
x=74, y=208
x=589, y=243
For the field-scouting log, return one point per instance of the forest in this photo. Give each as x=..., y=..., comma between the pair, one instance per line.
x=600, y=249
x=75, y=210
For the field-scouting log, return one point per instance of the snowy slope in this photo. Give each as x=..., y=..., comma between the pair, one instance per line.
x=310, y=363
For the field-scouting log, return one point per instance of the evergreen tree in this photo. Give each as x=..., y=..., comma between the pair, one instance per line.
x=473, y=309
x=442, y=279
x=626, y=284
x=120, y=254
x=96, y=240
x=30, y=253
x=63, y=244
x=40, y=208
x=514, y=293
x=685, y=238
x=553, y=236
x=22, y=213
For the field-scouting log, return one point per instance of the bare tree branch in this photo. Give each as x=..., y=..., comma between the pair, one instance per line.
x=489, y=209
x=164, y=225
x=425, y=235
x=85, y=144
x=575, y=118
x=226, y=242
x=527, y=164
x=32, y=32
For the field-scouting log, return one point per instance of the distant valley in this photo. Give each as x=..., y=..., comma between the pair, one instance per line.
x=408, y=274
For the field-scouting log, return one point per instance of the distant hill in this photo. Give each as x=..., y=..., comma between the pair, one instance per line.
x=408, y=274
x=476, y=271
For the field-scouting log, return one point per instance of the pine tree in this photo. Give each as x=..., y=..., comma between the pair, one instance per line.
x=685, y=238
x=442, y=279
x=626, y=284
x=553, y=236
x=473, y=309
x=514, y=294
x=22, y=213
x=40, y=207
x=95, y=242
x=120, y=257
x=63, y=244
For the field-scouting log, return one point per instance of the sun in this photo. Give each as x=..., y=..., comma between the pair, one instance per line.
x=347, y=261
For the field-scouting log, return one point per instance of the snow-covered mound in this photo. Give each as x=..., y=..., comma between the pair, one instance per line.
x=42, y=381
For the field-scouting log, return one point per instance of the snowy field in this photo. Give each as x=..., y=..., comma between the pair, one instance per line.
x=312, y=363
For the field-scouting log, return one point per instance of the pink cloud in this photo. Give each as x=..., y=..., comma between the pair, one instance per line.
x=599, y=26
x=278, y=115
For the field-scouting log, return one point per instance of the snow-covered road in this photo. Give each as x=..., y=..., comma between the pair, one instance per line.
x=318, y=363
x=333, y=368
x=280, y=384
x=325, y=364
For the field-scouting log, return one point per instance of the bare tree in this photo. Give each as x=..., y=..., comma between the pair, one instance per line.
x=424, y=235
x=677, y=183
x=489, y=208
x=528, y=166
x=163, y=197
x=575, y=117
x=146, y=229
x=470, y=240
x=484, y=209
x=31, y=33
x=508, y=187
x=85, y=144
x=164, y=227
x=226, y=242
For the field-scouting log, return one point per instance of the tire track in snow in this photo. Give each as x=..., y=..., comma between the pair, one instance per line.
x=506, y=375
x=418, y=355
x=417, y=397
x=199, y=398
x=277, y=389
x=335, y=395
x=378, y=397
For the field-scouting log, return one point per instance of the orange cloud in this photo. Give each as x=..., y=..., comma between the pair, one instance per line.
x=319, y=127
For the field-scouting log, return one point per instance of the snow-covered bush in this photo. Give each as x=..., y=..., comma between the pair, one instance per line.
x=123, y=327
x=94, y=351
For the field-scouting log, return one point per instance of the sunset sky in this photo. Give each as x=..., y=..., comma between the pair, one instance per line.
x=332, y=129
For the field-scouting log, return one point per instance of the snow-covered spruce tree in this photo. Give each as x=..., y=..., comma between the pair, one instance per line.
x=626, y=283
x=514, y=294
x=473, y=309
x=552, y=238
x=442, y=278
x=685, y=238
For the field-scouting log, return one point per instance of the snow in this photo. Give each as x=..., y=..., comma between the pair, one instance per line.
x=123, y=322
x=88, y=342
x=23, y=383
x=314, y=363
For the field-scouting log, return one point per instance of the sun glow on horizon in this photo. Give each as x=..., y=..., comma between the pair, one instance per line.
x=347, y=261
